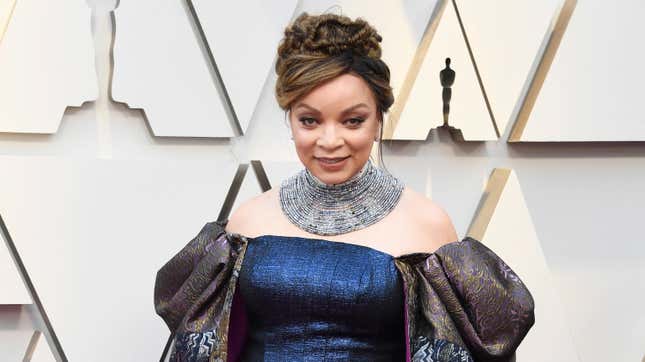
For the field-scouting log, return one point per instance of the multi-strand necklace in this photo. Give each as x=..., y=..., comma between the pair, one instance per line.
x=332, y=209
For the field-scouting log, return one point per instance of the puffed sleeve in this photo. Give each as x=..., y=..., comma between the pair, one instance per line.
x=473, y=299
x=190, y=288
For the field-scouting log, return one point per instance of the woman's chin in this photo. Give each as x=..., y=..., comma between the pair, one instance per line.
x=333, y=177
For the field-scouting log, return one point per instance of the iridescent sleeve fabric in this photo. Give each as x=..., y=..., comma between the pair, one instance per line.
x=471, y=305
x=191, y=291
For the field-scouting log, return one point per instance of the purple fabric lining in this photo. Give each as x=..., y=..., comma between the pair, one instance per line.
x=238, y=325
x=405, y=316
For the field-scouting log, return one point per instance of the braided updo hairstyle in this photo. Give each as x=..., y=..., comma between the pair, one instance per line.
x=316, y=49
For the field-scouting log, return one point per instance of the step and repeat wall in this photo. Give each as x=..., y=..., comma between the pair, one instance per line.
x=126, y=125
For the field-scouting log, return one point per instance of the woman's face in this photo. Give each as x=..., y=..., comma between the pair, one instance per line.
x=336, y=120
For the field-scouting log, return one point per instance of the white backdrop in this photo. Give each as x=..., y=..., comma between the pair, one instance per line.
x=95, y=200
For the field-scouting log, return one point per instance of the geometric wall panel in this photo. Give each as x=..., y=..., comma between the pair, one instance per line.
x=14, y=344
x=114, y=224
x=422, y=108
x=11, y=285
x=279, y=171
x=506, y=36
x=268, y=129
x=503, y=223
x=32, y=312
x=46, y=64
x=249, y=188
x=590, y=293
x=593, y=88
x=162, y=65
x=41, y=352
x=243, y=38
x=261, y=175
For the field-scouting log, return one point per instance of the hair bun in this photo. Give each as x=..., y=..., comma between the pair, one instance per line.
x=329, y=35
x=318, y=48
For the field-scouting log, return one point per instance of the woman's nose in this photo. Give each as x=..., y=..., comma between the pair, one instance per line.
x=330, y=137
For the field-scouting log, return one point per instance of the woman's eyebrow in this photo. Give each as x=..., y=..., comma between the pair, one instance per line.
x=354, y=107
x=305, y=105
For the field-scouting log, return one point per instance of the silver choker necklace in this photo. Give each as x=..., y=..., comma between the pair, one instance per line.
x=324, y=209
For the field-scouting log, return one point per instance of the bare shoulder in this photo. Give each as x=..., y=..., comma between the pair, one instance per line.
x=243, y=218
x=431, y=217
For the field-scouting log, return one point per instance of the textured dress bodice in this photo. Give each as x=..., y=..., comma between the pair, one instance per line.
x=320, y=300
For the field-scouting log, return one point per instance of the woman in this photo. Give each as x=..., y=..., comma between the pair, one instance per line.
x=342, y=261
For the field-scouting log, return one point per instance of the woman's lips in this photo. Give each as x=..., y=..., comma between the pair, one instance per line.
x=332, y=164
x=331, y=160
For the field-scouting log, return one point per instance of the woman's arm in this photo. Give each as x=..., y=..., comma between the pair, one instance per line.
x=190, y=286
x=471, y=297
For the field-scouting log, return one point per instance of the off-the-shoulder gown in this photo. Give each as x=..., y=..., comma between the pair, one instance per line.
x=227, y=297
x=320, y=300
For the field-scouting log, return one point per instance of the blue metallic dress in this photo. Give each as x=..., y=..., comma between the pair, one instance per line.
x=320, y=300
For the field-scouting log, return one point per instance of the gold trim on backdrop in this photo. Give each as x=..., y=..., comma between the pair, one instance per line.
x=236, y=185
x=542, y=69
x=261, y=175
x=394, y=114
x=31, y=348
x=488, y=203
x=233, y=190
x=6, y=17
x=477, y=73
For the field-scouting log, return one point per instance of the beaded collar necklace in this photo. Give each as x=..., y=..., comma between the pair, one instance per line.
x=332, y=209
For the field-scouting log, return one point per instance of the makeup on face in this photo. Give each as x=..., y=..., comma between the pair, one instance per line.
x=334, y=127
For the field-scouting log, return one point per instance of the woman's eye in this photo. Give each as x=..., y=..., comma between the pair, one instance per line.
x=305, y=119
x=355, y=121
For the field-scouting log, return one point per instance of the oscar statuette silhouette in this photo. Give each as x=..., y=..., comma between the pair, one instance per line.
x=447, y=77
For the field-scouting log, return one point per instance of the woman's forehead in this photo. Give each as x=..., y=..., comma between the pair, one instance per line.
x=339, y=94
